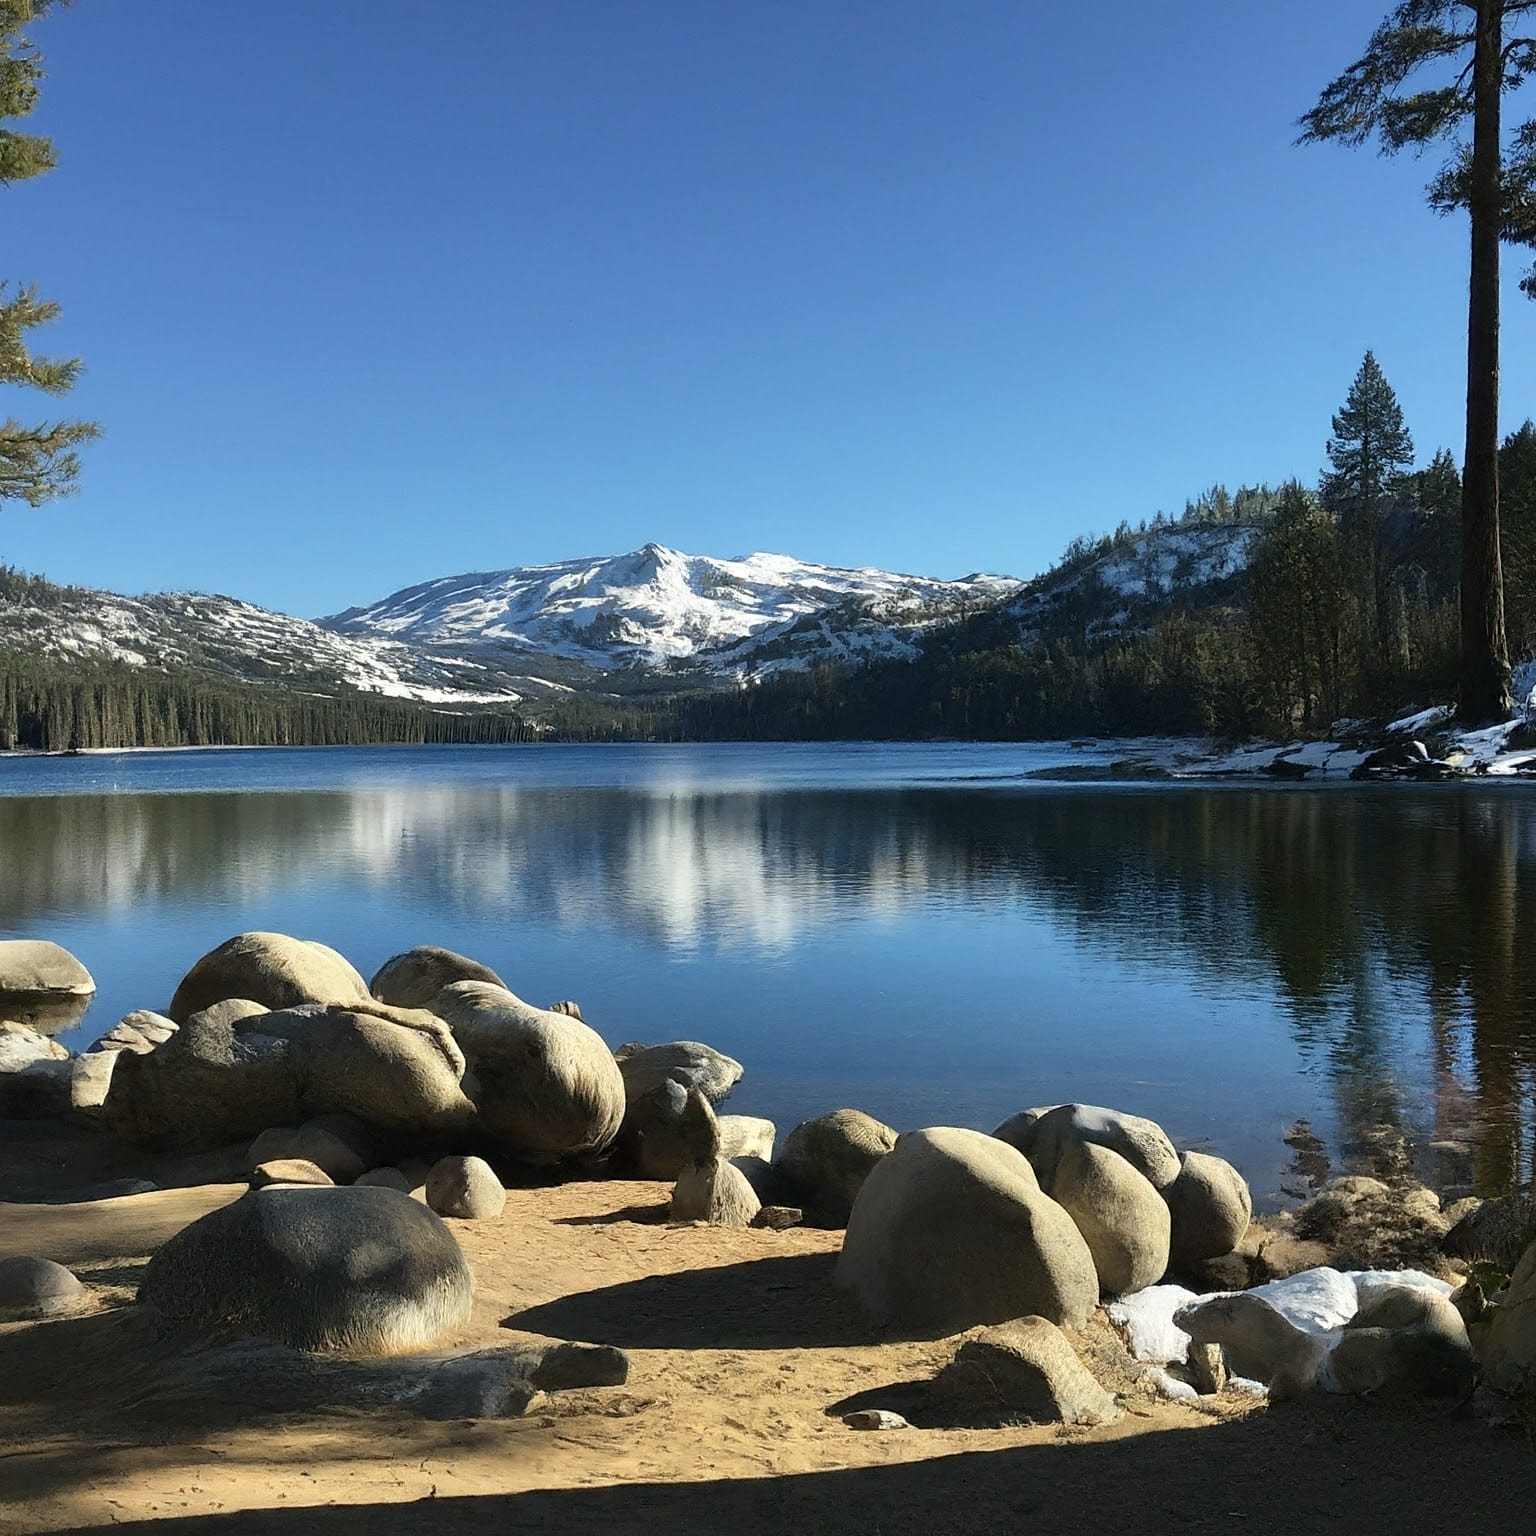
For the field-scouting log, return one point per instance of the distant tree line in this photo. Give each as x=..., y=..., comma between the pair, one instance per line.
x=1348, y=607
x=54, y=706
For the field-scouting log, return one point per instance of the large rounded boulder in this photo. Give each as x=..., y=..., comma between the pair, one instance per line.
x=951, y=1229
x=33, y=1288
x=1506, y=1338
x=547, y=1086
x=219, y=1080
x=1044, y=1137
x=1122, y=1218
x=362, y=1270
x=1210, y=1206
x=825, y=1162
x=645, y=1067
x=40, y=968
x=271, y=969
x=414, y=978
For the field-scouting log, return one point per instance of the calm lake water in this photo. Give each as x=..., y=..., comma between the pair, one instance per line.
x=921, y=931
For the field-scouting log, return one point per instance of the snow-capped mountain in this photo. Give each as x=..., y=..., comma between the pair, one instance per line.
x=657, y=609
x=654, y=620
x=227, y=638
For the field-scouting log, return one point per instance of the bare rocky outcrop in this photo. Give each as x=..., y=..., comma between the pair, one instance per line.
x=951, y=1229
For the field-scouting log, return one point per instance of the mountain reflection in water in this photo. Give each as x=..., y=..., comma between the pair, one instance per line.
x=1224, y=959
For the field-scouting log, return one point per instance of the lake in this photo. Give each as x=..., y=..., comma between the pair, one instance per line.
x=921, y=931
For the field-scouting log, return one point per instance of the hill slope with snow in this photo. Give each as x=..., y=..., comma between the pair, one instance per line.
x=658, y=609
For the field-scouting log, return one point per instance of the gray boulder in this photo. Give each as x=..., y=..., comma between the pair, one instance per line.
x=290, y=1170
x=667, y=1129
x=385, y=1178
x=358, y=1270
x=1405, y=1342
x=1506, y=1339
x=413, y=979
x=466, y=1188
x=271, y=969
x=33, y=1288
x=951, y=1229
x=825, y=1162
x=310, y=1143
x=1026, y=1370
x=40, y=968
x=1044, y=1139
x=38, y=1091
x=140, y=1032
x=548, y=1087
x=746, y=1136
x=213, y=1083
x=644, y=1067
x=1257, y=1340
x=716, y=1192
x=22, y=1047
x=1122, y=1218
x=1209, y=1206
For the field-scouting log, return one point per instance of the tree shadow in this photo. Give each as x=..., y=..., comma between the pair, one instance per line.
x=775, y=1303
x=1279, y=1470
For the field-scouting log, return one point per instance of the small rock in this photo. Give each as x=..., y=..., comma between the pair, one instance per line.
x=34, y=1288
x=385, y=1178
x=310, y=1144
x=465, y=1187
x=715, y=1192
x=779, y=1218
x=288, y=1170
x=746, y=1136
x=875, y=1418
x=569, y=1007
x=1207, y=1368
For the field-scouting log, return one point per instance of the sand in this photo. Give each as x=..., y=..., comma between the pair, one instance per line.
x=739, y=1346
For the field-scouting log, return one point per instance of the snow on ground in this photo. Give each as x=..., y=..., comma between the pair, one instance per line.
x=1317, y=1301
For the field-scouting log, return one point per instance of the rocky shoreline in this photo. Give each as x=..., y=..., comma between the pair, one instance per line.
x=306, y=1153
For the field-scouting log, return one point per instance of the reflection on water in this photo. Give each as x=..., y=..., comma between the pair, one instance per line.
x=1225, y=959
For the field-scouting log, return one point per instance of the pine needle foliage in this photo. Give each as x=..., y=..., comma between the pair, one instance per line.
x=1437, y=72
x=38, y=460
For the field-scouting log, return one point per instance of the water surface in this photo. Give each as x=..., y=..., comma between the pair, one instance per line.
x=922, y=931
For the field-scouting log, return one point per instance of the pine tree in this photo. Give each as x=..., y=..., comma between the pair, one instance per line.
x=1371, y=99
x=1517, y=500
x=1369, y=450
x=37, y=461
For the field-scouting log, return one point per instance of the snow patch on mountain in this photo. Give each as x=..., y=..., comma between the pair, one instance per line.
x=657, y=608
x=228, y=638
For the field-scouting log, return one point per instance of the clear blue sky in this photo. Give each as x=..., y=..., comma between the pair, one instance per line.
x=371, y=290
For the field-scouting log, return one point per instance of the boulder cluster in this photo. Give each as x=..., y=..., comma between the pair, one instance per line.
x=349, y=1096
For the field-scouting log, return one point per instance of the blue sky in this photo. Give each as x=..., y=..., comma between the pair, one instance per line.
x=393, y=291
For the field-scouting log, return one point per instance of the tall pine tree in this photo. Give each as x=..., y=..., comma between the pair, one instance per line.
x=1479, y=61
x=37, y=460
x=1369, y=451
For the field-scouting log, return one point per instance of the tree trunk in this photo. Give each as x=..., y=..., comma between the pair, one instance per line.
x=1484, y=650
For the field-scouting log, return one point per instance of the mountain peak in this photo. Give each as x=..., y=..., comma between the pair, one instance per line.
x=657, y=607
